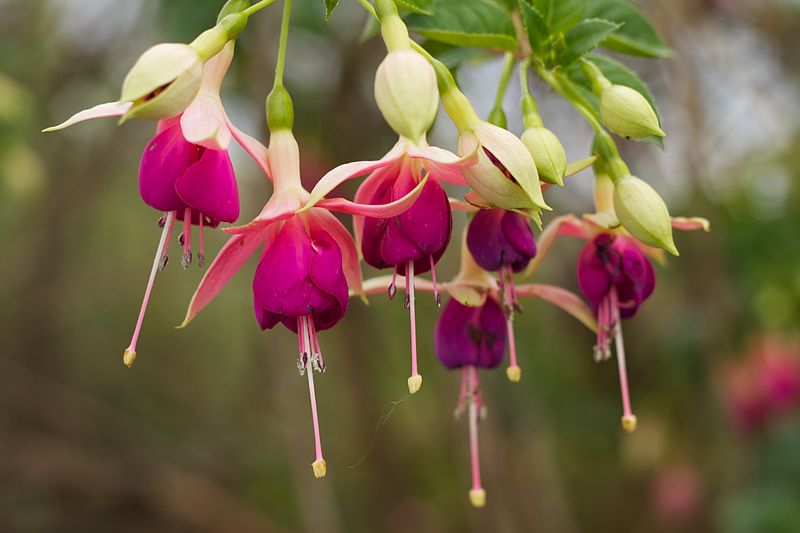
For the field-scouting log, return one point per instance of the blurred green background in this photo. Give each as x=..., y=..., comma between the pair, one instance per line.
x=210, y=430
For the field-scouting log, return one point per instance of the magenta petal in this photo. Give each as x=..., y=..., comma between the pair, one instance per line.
x=471, y=336
x=209, y=186
x=165, y=158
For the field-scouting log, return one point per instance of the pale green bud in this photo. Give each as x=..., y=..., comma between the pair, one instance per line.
x=547, y=152
x=643, y=213
x=163, y=81
x=406, y=93
x=627, y=113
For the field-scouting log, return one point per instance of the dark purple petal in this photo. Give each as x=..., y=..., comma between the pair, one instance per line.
x=471, y=336
x=209, y=186
x=497, y=238
x=165, y=158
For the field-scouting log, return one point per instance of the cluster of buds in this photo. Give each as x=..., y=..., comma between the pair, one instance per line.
x=309, y=263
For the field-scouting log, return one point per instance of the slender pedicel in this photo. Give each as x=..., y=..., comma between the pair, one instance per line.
x=628, y=418
x=319, y=466
x=129, y=355
x=186, y=260
x=477, y=496
x=415, y=381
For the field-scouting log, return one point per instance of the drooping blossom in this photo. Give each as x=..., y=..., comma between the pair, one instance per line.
x=615, y=276
x=469, y=338
x=185, y=171
x=502, y=241
x=308, y=262
x=413, y=241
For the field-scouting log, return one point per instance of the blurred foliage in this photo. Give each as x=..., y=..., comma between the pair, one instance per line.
x=209, y=431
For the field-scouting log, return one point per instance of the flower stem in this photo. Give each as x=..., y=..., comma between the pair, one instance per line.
x=368, y=7
x=280, y=65
x=257, y=7
x=509, y=61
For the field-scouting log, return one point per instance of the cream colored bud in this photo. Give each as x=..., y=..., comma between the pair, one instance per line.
x=627, y=112
x=643, y=213
x=163, y=81
x=406, y=93
x=547, y=152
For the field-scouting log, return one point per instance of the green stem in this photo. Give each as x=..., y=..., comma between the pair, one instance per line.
x=369, y=7
x=509, y=61
x=257, y=7
x=279, y=67
x=530, y=113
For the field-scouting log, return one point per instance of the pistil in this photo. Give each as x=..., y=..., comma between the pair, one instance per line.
x=415, y=380
x=513, y=372
x=477, y=496
x=186, y=260
x=628, y=418
x=319, y=466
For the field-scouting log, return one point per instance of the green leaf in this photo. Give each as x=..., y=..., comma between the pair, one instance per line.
x=472, y=23
x=616, y=73
x=416, y=6
x=560, y=15
x=535, y=26
x=584, y=37
x=637, y=37
x=330, y=5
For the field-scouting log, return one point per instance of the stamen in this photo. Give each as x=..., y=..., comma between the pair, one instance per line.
x=201, y=256
x=436, y=294
x=318, y=361
x=319, y=466
x=628, y=418
x=477, y=496
x=129, y=355
x=513, y=372
x=162, y=264
x=393, y=285
x=186, y=260
x=462, y=393
x=301, y=348
x=415, y=381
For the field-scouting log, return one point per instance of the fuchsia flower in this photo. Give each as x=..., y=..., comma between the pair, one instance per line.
x=615, y=276
x=470, y=338
x=308, y=261
x=185, y=170
x=412, y=242
x=502, y=241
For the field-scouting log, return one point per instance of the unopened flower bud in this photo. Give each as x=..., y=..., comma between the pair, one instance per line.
x=627, y=112
x=643, y=213
x=163, y=81
x=547, y=152
x=406, y=93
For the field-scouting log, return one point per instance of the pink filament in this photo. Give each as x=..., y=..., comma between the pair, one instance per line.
x=473, y=386
x=187, y=231
x=169, y=221
x=304, y=331
x=201, y=254
x=151, y=280
x=508, y=296
x=436, y=295
x=315, y=344
x=623, y=373
x=410, y=290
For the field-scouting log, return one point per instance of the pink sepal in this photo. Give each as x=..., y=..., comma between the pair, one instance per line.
x=566, y=300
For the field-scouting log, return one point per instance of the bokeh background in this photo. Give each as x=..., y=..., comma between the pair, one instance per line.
x=210, y=430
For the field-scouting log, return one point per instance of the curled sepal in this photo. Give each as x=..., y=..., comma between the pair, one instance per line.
x=691, y=224
x=110, y=109
x=442, y=164
x=349, y=171
x=566, y=300
x=579, y=165
x=228, y=261
x=388, y=210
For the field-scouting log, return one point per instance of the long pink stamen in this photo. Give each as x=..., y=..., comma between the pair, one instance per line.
x=129, y=355
x=170, y=223
x=315, y=345
x=462, y=392
x=319, y=465
x=187, y=238
x=476, y=495
x=393, y=285
x=201, y=256
x=415, y=381
x=628, y=418
x=436, y=295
